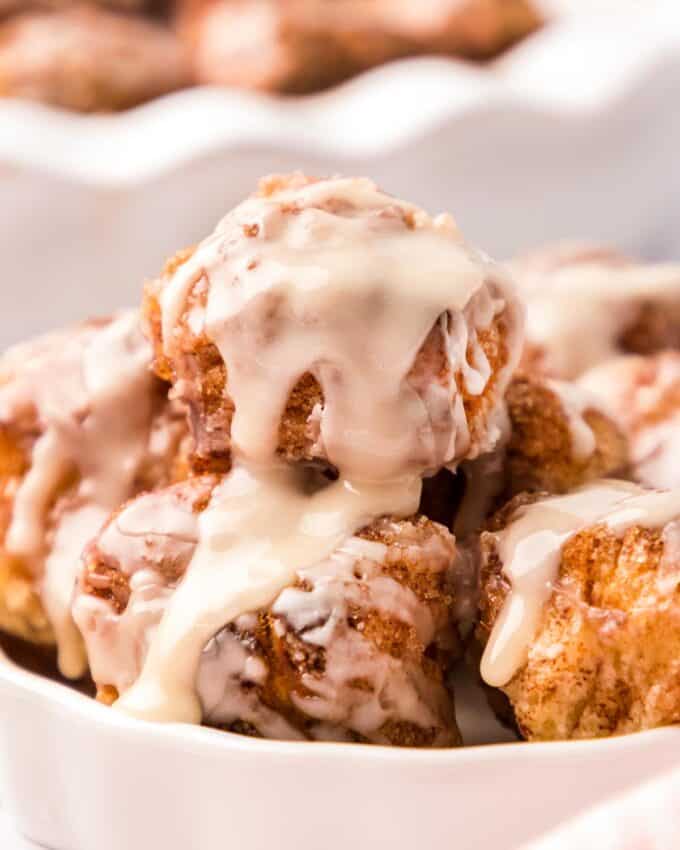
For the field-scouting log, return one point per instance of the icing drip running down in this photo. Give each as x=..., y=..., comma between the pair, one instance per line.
x=324, y=625
x=258, y=531
x=530, y=550
x=578, y=308
x=90, y=392
x=335, y=279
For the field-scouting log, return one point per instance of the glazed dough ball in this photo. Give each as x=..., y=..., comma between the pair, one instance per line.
x=357, y=648
x=64, y=449
x=347, y=232
x=588, y=303
x=603, y=656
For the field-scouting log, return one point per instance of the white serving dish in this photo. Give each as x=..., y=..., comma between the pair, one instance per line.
x=80, y=777
x=572, y=134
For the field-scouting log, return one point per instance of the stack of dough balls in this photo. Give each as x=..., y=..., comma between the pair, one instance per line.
x=601, y=658
x=522, y=521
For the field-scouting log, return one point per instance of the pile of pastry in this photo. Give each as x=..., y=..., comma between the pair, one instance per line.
x=103, y=55
x=340, y=452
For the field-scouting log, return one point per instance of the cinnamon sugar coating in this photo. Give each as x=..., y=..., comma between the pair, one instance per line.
x=357, y=649
x=604, y=659
x=559, y=437
x=22, y=612
x=541, y=452
x=200, y=376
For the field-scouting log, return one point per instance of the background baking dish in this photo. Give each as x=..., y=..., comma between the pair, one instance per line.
x=572, y=134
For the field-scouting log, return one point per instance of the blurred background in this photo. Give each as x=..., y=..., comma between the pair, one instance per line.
x=128, y=128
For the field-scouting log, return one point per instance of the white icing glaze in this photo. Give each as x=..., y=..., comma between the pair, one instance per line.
x=641, y=394
x=226, y=671
x=327, y=278
x=350, y=297
x=334, y=588
x=60, y=569
x=242, y=563
x=613, y=382
x=143, y=542
x=575, y=402
x=91, y=393
x=156, y=528
x=530, y=549
x=318, y=612
x=578, y=308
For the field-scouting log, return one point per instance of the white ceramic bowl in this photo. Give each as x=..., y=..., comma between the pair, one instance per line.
x=572, y=134
x=78, y=776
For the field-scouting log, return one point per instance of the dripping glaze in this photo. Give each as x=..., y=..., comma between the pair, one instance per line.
x=578, y=307
x=530, y=549
x=153, y=539
x=75, y=384
x=336, y=279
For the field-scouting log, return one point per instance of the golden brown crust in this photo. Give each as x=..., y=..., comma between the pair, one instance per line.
x=211, y=409
x=290, y=660
x=21, y=611
x=405, y=540
x=604, y=661
x=541, y=453
x=419, y=555
x=105, y=577
x=196, y=363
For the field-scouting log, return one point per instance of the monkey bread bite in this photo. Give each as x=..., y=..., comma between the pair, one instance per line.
x=355, y=648
x=558, y=437
x=586, y=303
x=83, y=426
x=579, y=610
x=352, y=316
x=332, y=346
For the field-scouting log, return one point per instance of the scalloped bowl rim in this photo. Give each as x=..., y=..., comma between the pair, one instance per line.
x=588, y=65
